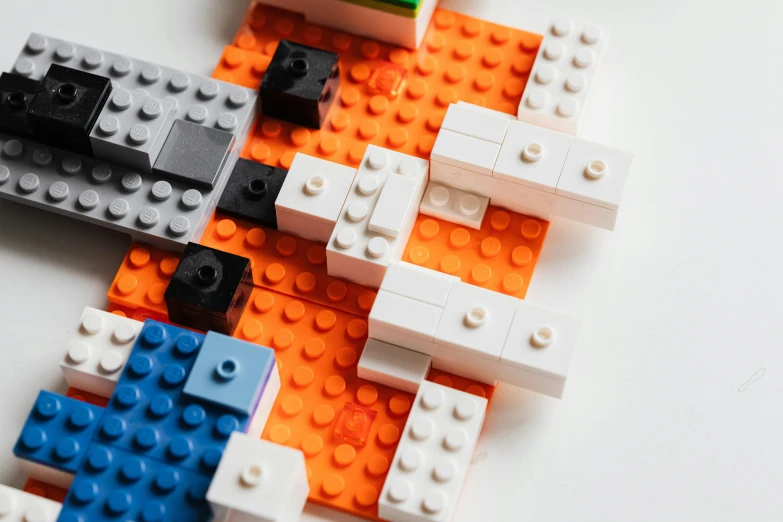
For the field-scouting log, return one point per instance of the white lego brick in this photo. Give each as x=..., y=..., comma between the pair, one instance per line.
x=415, y=282
x=404, y=322
x=467, y=365
x=258, y=481
x=265, y=404
x=433, y=456
x=356, y=253
x=539, y=347
x=595, y=215
x=55, y=477
x=484, y=125
x=98, y=350
x=19, y=506
x=454, y=205
x=485, y=110
x=303, y=227
x=394, y=205
x=595, y=174
x=465, y=152
x=393, y=366
x=563, y=75
x=314, y=189
x=475, y=320
x=532, y=156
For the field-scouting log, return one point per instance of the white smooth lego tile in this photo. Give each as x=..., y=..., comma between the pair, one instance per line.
x=393, y=366
x=532, y=156
x=587, y=213
x=464, y=179
x=479, y=108
x=265, y=404
x=464, y=151
x=468, y=365
x=403, y=338
x=454, y=205
x=415, y=282
x=595, y=174
x=415, y=318
x=299, y=226
x=475, y=320
x=19, y=506
x=464, y=119
x=394, y=205
x=539, y=348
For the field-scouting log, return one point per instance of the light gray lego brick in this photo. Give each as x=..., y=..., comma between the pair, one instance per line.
x=132, y=129
x=164, y=214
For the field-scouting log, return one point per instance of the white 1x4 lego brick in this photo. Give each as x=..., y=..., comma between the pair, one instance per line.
x=539, y=348
x=563, y=74
x=433, y=455
x=19, y=506
x=595, y=174
x=258, y=481
x=394, y=205
x=484, y=125
x=466, y=152
x=404, y=322
x=415, y=282
x=532, y=156
x=98, y=350
x=393, y=366
x=454, y=205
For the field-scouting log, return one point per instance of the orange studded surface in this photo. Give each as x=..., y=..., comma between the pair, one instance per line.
x=288, y=264
x=42, y=489
x=142, y=279
x=462, y=58
x=501, y=256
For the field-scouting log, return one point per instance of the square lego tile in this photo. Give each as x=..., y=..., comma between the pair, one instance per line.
x=393, y=366
x=194, y=154
x=251, y=192
x=477, y=122
x=415, y=282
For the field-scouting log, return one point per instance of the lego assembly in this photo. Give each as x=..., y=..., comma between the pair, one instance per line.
x=333, y=239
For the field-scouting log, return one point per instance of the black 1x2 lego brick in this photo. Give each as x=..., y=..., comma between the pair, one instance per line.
x=251, y=192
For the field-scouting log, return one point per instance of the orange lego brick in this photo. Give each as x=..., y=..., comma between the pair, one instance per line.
x=462, y=58
x=90, y=398
x=245, y=68
x=501, y=256
x=288, y=264
x=142, y=279
x=42, y=489
x=138, y=314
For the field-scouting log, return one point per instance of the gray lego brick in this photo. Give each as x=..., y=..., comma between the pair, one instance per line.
x=165, y=214
x=132, y=129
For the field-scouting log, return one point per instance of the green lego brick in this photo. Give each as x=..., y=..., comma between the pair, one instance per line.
x=406, y=8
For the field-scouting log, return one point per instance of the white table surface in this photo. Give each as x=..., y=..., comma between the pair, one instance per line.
x=674, y=406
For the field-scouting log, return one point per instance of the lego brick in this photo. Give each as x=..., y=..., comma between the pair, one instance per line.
x=131, y=129
x=160, y=213
x=433, y=457
x=251, y=191
x=149, y=415
x=393, y=366
x=595, y=174
x=113, y=484
x=400, y=194
x=466, y=152
x=415, y=282
x=241, y=67
x=462, y=118
x=454, y=205
x=538, y=350
x=55, y=437
x=468, y=365
x=300, y=84
x=408, y=8
x=16, y=93
x=194, y=154
x=304, y=227
x=230, y=373
x=19, y=506
x=315, y=189
x=85, y=396
x=142, y=279
x=98, y=350
x=44, y=490
x=258, y=481
x=354, y=424
x=354, y=252
x=404, y=322
x=487, y=110
x=595, y=215
x=66, y=106
x=563, y=76
x=209, y=289
x=532, y=156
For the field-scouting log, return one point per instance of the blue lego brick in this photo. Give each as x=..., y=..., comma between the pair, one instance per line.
x=149, y=415
x=112, y=484
x=58, y=431
x=230, y=373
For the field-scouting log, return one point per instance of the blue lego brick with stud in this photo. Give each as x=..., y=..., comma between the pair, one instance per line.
x=58, y=432
x=230, y=373
x=149, y=415
x=112, y=484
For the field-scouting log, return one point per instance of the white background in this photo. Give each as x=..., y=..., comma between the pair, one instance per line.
x=674, y=407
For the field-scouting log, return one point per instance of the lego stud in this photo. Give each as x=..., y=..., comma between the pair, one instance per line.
x=543, y=336
x=78, y=353
x=357, y=211
x=315, y=185
x=445, y=470
x=562, y=27
x=432, y=399
x=58, y=191
x=455, y=439
x=251, y=475
x=595, y=169
x=111, y=363
x=227, y=369
x=434, y=502
x=298, y=66
x=592, y=34
x=546, y=74
x=476, y=317
x=584, y=58
x=554, y=51
x=400, y=491
x=533, y=152
x=411, y=459
x=206, y=275
x=123, y=334
x=378, y=158
x=576, y=82
x=422, y=428
x=466, y=409
x=469, y=205
x=66, y=93
x=346, y=238
x=537, y=99
x=439, y=196
x=377, y=247
x=567, y=107
x=257, y=187
x=17, y=100
x=92, y=323
x=368, y=185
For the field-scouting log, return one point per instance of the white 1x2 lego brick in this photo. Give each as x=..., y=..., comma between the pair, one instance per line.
x=404, y=322
x=415, y=282
x=454, y=205
x=303, y=227
x=465, y=152
x=433, y=455
x=19, y=506
x=394, y=205
x=98, y=350
x=484, y=125
x=393, y=366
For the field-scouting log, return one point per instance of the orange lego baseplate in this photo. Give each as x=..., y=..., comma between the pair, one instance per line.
x=390, y=97
x=142, y=280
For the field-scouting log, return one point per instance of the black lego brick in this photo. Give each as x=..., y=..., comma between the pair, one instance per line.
x=251, y=192
x=300, y=84
x=209, y=289
x=16, y=94
x=66, y=106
